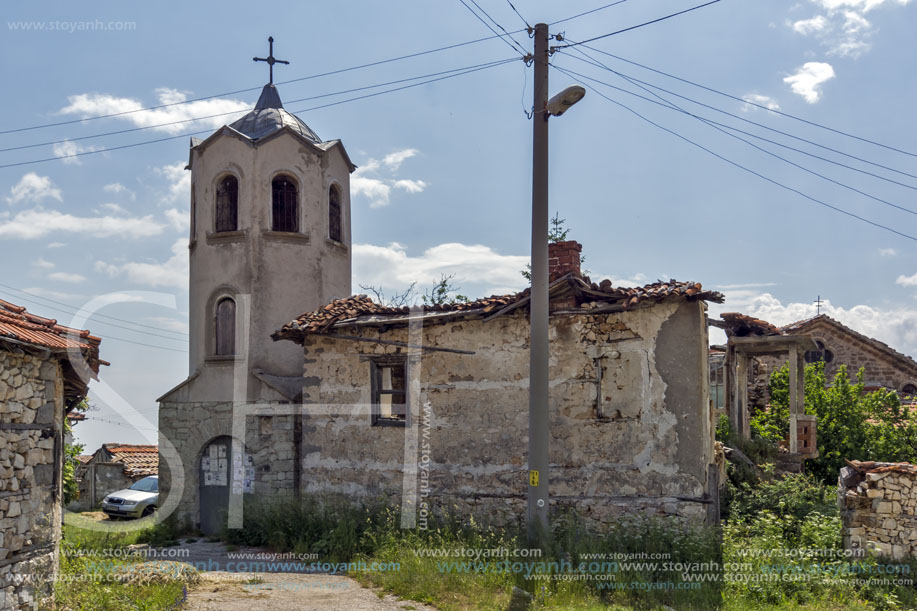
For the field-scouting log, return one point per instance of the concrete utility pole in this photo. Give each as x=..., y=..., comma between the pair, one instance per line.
x=539, y=432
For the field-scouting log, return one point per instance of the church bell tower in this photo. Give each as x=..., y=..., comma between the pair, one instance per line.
x=270, y=239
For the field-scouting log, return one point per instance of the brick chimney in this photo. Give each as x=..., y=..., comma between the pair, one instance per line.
x=563, y=258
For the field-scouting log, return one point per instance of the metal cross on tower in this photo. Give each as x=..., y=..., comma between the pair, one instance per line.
x=270, y=59
x=818, y=303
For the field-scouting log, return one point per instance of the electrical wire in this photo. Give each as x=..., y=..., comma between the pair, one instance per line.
x=508, y=40
x=634, y=27
x=527, y=26
x=767, y=127
x=743, y=100
x=233, y=112
x=749, y=170
x=207, y=131
x=258, y=88
x=94, y=314
x=589, y=12
x=667, y=103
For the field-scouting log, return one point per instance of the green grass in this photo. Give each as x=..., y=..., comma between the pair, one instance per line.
x=99, y=573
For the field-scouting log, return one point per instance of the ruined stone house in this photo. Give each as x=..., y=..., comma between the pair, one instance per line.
x=44, y=372
x=270, y=239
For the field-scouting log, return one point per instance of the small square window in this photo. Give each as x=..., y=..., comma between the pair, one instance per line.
x=389, y=395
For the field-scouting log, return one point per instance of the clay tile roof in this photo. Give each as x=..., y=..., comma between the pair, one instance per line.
x=137, y=460
x=342, y=311
x=742, y=325
x=84, y=458
x=23, y=326
x=882, y=467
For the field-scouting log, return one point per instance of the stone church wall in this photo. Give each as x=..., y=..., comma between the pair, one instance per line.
x=647, y=447
x=31, y=421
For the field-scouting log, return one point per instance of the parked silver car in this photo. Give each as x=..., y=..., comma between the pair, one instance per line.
x=141, y=499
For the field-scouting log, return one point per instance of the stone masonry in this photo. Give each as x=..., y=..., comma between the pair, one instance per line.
x=31, y=391
x=879, y=508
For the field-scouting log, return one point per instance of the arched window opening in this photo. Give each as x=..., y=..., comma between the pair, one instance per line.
x=227, y=205
x=334, y=214
x=225, y=327
x=909, y=390
x=285, y=208
x=821, y=354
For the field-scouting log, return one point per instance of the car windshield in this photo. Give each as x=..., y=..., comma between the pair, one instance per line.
x=147, y=484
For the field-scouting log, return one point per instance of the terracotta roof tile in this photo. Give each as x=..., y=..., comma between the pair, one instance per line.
x=742, y=325
x=802, y=325
x=341, y=311
x=138, y=460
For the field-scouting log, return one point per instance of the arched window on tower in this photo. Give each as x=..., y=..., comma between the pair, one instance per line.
x=227, y=204
x=225, y=327
x=285, y=208
x=334, y=214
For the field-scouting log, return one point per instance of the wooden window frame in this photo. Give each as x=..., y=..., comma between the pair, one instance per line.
x=226, y=206
x=335, y=214
x=216, y=327
x=376, y=365
x=281, y=216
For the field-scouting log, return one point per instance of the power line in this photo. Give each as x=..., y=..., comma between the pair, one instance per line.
x=207, y=131
x=513, y=45
x=672, y=106
x=527, y=26
x=749, y=170
x=93, y=314
x=106, y=421
x=761, y=125
x=232, y=112
x=295, y=80
x=589, y=12
x=739, y=99
x=634, y=27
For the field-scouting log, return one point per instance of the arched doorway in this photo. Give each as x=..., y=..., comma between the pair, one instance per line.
x=216, y=475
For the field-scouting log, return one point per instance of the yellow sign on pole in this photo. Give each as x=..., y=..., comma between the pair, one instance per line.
x=533, y=478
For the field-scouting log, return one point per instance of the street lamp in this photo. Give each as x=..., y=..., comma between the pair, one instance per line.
x=539, y=422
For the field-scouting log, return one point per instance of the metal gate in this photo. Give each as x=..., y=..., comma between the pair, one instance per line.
x=215, y=484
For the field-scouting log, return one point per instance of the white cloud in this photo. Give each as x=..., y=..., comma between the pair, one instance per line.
x=368, y=182
x=895, y=327
x=179, y=219
x=808, y=26
x=477, y=269
x=66, y=277
x=173, y=272
x=37, y=223
x=43, y=263
x=90, y=104
x=113, y=208
x=808, y=80
x=907, y=280
x=169, y=324
x=843, y=29
x=887, y=252
x=52, y=294
x=56, y=244
x=395, y=159
x=755, y=100
x=69, y=151
x=179, y=181
x=33, y=188
x=117, y=188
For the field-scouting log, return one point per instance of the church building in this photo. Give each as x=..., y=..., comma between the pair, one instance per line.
x=297, y=387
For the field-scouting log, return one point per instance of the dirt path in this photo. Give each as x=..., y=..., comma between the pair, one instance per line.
x=237, y=590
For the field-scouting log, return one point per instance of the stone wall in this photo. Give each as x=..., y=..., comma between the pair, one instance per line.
x=879, y=509
x=639, y=440
x=96, y=480
x=31, y=421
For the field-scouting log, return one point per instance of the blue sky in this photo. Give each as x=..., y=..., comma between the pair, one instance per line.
x=444, y=179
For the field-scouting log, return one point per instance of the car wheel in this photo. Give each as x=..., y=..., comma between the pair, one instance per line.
x=148, y=511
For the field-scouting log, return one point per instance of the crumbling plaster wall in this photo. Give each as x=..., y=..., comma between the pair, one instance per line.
x=647, y=447
x=31, y=421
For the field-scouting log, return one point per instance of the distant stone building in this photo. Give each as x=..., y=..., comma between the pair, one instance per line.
x=44, y=372
x=112, y=467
